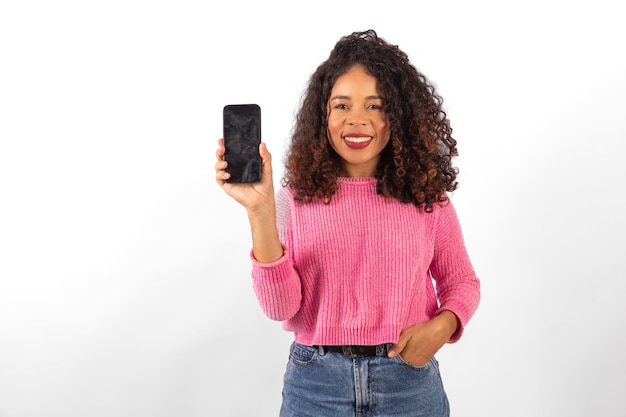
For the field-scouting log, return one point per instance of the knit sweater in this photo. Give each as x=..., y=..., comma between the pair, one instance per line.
x=364, y=267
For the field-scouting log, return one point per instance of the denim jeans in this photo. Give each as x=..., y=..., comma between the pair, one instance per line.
x=328, y=384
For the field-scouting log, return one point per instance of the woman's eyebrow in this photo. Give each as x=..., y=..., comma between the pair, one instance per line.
x=340, y=97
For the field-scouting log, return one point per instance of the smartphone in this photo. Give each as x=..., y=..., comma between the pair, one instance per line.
x=242, y=137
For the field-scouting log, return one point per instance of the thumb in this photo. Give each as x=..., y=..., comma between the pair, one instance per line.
x=266, y=159
x=264, y=153
x=399, y=346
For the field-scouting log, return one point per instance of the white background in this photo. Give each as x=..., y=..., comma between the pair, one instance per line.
x=124, y=272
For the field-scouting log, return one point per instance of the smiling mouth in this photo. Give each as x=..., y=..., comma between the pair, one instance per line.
x=357, y=139
x=357, y=142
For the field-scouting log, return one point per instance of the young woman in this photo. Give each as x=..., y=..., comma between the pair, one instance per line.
x=360, y=253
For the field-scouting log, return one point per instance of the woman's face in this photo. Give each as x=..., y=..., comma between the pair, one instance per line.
x=357, y=126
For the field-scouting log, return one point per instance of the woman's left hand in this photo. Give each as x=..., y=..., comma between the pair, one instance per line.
x=418, y=343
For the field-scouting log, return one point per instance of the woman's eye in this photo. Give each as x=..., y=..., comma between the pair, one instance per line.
x=341, y=106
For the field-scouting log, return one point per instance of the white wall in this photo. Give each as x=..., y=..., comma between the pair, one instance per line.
x=124, y=271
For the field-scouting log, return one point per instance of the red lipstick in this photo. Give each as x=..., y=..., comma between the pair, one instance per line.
x=357, y=140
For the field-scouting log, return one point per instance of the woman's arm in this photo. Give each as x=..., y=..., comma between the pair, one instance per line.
x=258, y=199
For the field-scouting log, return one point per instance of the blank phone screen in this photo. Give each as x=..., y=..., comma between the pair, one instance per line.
x=242, y=136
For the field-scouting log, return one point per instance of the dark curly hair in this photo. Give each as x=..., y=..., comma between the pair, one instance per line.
x=415, y=166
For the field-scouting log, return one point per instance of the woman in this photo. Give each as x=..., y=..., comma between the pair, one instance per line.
x=360, y=253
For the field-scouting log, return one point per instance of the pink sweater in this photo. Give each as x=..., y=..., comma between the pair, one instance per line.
x=363, y=268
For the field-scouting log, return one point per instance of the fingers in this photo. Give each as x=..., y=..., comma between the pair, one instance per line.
x=221, y=150
x=399, y=346
x=220, y=174
x=220, y=165
x=418, y=343
x=408, y=353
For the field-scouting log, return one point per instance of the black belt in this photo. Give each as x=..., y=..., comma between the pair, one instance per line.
x=357, y=351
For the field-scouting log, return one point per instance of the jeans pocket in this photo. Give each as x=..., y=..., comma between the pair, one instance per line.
x=302, y=354
x=400, y=359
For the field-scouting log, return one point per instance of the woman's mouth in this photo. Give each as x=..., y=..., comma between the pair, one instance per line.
x=357, y=142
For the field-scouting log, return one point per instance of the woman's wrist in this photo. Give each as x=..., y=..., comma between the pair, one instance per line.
x=266, y=244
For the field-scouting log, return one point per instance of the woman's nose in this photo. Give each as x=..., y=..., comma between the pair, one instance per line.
x=356, y=116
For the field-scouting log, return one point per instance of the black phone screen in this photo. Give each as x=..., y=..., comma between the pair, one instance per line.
x=242, y=136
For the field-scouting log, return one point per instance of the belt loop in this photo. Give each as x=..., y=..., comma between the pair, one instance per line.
x=320, y=349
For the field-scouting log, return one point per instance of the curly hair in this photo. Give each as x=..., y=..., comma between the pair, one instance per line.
x=416, y=164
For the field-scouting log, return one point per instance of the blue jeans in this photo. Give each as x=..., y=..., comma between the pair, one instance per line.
x=328, y=384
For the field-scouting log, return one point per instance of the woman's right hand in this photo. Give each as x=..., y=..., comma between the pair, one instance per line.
x=258, y=199
x=254, y=197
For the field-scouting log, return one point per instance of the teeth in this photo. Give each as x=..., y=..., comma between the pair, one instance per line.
x=359, y=139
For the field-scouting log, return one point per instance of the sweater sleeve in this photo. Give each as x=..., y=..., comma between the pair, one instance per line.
x=277, y=284
x=458, y=287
